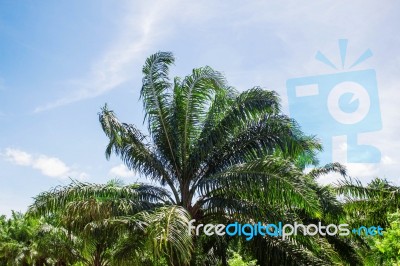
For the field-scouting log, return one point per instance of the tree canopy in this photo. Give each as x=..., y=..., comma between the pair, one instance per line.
x=211, y=153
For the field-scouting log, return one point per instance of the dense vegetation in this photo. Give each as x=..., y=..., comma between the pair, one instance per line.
x=215, y=155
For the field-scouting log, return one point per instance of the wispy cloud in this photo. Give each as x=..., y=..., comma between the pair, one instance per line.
x=121, y=171
x=137, y=36
x=48, y=166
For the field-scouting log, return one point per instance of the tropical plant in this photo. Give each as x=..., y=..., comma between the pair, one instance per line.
x=237, y=260
x=389, y=245
x=24, y=241
x=84, y=230
x=315, y=250
x=223, y=155
x=369, y=204
x=16, y=234
x=218, y=155
x=374, y=204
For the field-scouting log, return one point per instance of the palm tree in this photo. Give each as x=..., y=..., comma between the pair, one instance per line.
x=209, y=141
x=217, y=155
x=81, y=228
x=57, y=246
x=18, y=244
x=15, y=239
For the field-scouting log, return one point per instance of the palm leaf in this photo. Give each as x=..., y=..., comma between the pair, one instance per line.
x=157, y=103
x=128, y=142
x=271, y=180
x=59, y=198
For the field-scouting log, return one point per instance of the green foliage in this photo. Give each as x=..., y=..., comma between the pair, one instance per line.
x=100, y=219
x=222, y=154
x=215, y=155
x=237, y=260
x=389, y=244
x=369, y=204
x=16, y=236
x=376, y=203
x=29, y=241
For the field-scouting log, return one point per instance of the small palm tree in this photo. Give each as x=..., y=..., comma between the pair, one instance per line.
x=217, y=155
x=15, y=240
x=80, y=227
x=371, y=203
x=18, y=244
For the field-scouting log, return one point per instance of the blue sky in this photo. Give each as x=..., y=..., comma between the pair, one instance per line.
x=60, y=61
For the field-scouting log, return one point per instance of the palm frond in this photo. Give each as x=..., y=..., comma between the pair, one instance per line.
x=274, y=251
x=56, y=242
x=369, y=204
x=60, y=197
x=195, y=95
x=271, y=179
x=247, y=106
x=352, y=187
x=327, y=169
x=256, y=140
x=167, y=233
x=128, y=142
x=157, y=103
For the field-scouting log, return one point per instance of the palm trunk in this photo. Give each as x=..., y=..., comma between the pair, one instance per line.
x=97, y=257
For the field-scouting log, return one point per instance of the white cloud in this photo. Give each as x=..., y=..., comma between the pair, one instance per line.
x=82, y=176
x=387, y=160
x=51, y=166
x=121, y=171
x=362, y=171
x=48, y=166
x=18, y=157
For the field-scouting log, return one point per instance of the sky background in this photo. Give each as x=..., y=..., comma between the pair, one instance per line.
x=60, y=61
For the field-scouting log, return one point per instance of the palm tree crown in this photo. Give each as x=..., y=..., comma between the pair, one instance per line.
x=208, y=143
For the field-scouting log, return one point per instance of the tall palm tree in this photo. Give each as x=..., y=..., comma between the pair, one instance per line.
x=206, y=141
x=217, y=155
